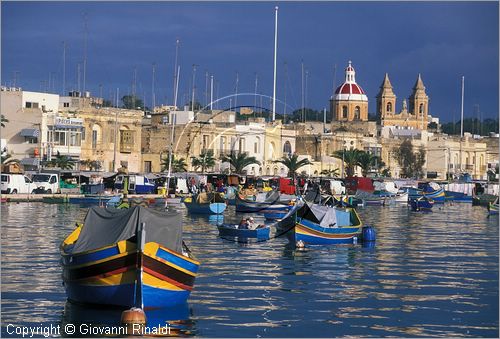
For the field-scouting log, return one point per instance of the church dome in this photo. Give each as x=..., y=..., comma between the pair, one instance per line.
x=350, y=90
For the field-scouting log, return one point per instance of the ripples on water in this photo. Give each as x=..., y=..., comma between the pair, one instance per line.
x=429, y=274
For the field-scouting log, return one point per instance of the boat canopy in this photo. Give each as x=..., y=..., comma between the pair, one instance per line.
x=104, y=226
x=325, y=216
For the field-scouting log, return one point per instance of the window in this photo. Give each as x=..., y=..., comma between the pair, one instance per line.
x=421, y=109
x=205, y=142
x=147, y=166
x=344, y=112
x=32, y=140
x=94, y=139
x=126, y=141
x=357, y=113
x=83, y=133
x=31, y=104
x=287, y=148
x=242, y=145
x=66, y=104
x=389, y=107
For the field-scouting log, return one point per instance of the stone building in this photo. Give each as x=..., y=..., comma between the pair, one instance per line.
x=112, y=137
x=349, y=102
x=413, y=116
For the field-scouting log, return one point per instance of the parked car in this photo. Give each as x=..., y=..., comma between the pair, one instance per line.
x=46, y=183
x=16, y=183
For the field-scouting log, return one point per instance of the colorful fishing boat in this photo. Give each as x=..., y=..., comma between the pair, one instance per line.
x=428, y=189
x=230, y=230
x=274, y=215
x=493, y=207
x=318, y=225
x=206, y=203
x=128, y=257
x=423, y=204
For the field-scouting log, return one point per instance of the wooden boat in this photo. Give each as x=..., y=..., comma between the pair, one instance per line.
x=429, y=190
x=244, y=205
x=206, y=203
x=274, y=215
x=91, y=199
x=230, y=230
x=493, y=207
x=317, y=225
x=128, y=257
x=421, y=204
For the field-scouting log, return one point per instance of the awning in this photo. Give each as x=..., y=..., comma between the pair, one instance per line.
x=30, y=162
x=30, y=132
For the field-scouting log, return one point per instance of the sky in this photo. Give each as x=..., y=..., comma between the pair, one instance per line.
x=234, y=43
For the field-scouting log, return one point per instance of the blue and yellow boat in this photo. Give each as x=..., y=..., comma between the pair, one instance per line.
x=206, y=203
x=322, y=225
x=130, y=257
x=427, y=189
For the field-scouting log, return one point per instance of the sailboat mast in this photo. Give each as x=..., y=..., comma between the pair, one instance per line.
x=462, y=122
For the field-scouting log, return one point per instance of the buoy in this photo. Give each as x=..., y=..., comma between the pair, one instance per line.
x=300, y=244
x=133, y=316
x=368, y=233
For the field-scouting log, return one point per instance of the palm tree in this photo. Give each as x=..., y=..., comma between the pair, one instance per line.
x=205, y=160
x=350, y=158
x=331, y=172
x=62, y=161
x=293, y=164
x=178, y=165
x=365, y=161
x=238, y=161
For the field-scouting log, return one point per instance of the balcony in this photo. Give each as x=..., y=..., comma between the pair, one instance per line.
x=126, y=148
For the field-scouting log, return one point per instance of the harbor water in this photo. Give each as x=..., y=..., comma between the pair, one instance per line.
x=427, y=275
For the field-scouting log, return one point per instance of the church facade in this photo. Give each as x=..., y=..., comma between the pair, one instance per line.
x=413, y=115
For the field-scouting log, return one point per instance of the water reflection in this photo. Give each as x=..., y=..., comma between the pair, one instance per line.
x=429, y=275
x=91, y=320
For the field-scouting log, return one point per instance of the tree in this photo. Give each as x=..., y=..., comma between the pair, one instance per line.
x=107, y=103
x=350, y=158
x=411, y=162
x=205, y=160
x=4, y=120
x=92, y=165
x=238, y=161
x=178, y=165
x=132, y=102
x=334, y=173
x=62, y=161
x=293, y=163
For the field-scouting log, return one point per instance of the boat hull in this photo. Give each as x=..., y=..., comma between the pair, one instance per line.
x=421, y=205
x=211, y=208
x=108, y=276
x=438, y=196
x=314, y=234
x=231, y=231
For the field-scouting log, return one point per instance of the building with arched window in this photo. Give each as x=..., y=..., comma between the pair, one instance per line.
x=349, y=103
x=415, y=115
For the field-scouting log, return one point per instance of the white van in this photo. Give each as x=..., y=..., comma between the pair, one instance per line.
x=48, y=182
x=16, y=183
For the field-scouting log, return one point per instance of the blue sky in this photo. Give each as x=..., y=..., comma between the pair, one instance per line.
x=440, y=40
